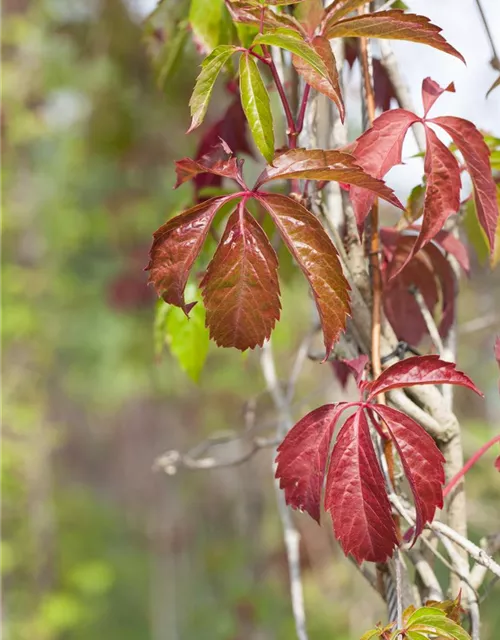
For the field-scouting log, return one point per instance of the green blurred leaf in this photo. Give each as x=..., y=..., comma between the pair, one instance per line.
x=257, y=106
x=62, y=611
x=416, y=635
x=414, y=207
x=93, y=577
x=211, y=68
x=206, y=19
x=477, y=236
x=188, y=338
x=170, y=55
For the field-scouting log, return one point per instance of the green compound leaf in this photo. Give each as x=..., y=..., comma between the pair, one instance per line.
x=205, y=82
x=257, y=106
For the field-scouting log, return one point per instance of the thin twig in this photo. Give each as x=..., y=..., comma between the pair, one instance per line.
x=410, y=519
x=291, y=535
x=399, y=590
x=475, y=552
x=495, y=60
x=429, y=320
x=462, y=566
x=491, y=545
x=171, y=461
x=427, y=575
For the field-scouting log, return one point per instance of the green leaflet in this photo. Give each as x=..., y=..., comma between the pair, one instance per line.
x=291, y=41
x=416, y=635
x=203, y=88
x=257, y=106
x=187, y=338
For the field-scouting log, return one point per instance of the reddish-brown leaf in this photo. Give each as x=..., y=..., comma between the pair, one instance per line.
x=315, y=254
x=431, y=92
x=240, y=288
x=187, y=169
x=253, y=14
x=377, y=151
x=302, y=456
x=355, y=495
x=422, y=462
x=317, y=164
x=497, y=463
x=309, y=13
x=232, y=128
x=329, y=87
x=176, y=246
x=395, y=25
x=418, y=370
x=340, y=8
x=442, y=192
x=445, y=278
x=477, y=159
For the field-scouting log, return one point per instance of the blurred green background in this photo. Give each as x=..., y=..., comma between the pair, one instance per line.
x=95, y=544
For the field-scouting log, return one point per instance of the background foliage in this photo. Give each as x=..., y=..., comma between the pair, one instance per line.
x=94, y=543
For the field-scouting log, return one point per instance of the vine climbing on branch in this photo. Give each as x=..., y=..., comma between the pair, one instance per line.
x=411, y=292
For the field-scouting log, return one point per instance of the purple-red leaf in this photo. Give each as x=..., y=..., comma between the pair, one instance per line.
x=431, y=92
x=400, y=305
x=315, y=254
x=377, y=151
x=422, y=462
x=476, y=154
x=395, y=25
x=416, y=371
x=455, y=247
x=187, y=169
x=176, y=246
x=302, y=456
x=317, y=164
x=240, y=288
x=442, y=193
x=357, y=367
x=329, y=86
x=355, y=495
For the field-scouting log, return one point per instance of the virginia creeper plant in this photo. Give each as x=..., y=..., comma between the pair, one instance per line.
x=287, y=48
